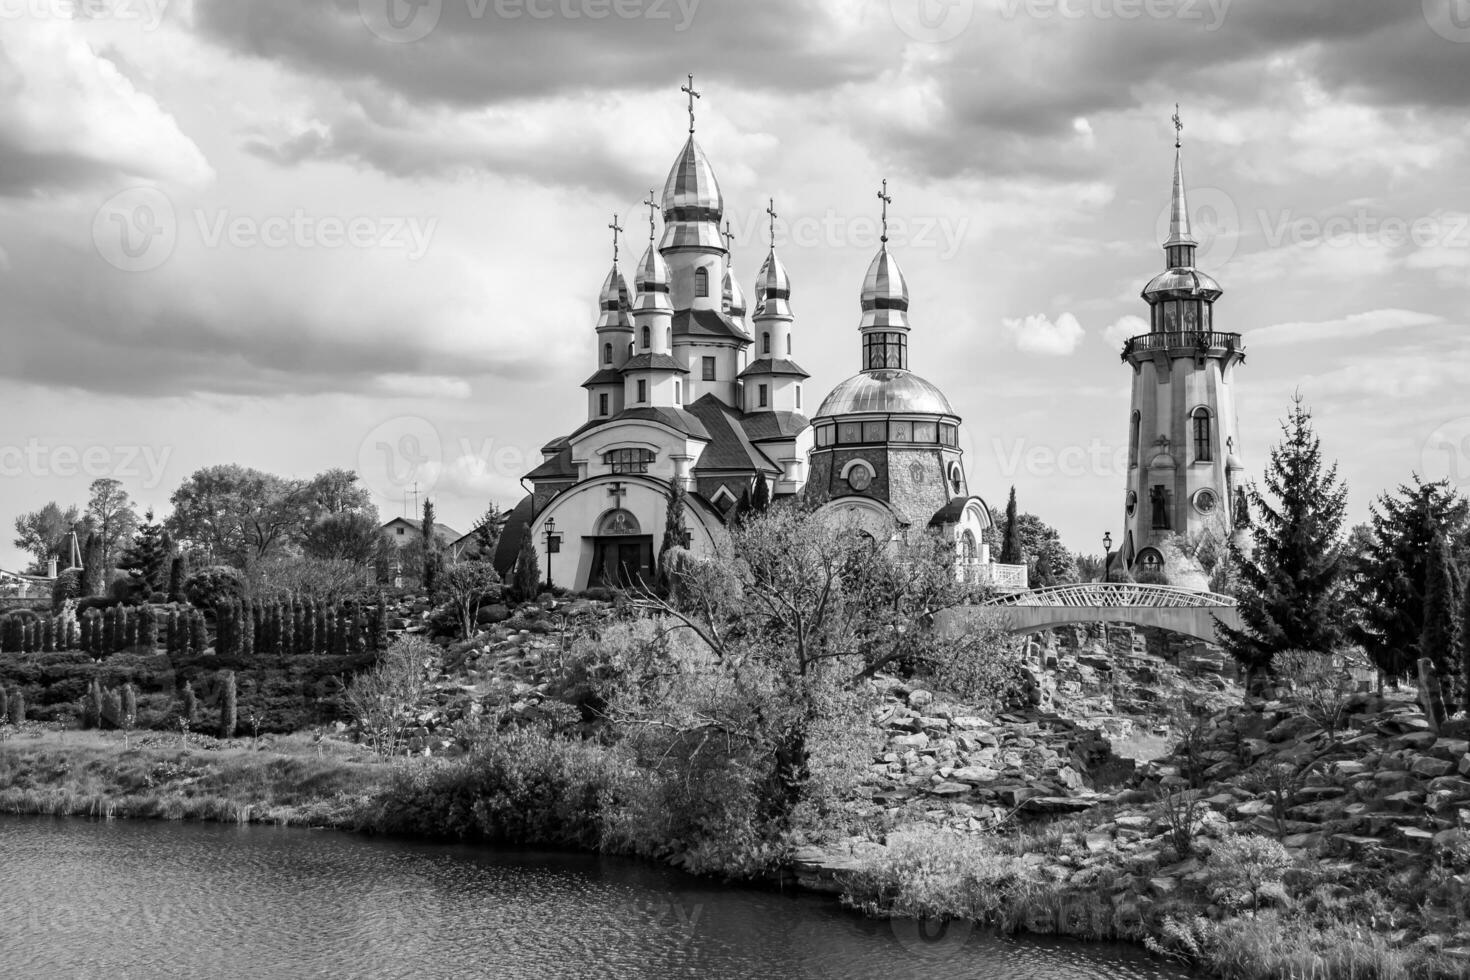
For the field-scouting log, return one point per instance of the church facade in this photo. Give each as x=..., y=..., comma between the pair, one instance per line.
x=694, y=386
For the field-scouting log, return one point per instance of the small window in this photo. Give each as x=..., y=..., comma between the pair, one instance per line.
x=669, y=338
x=607, y=353
x=642, y=390
x=765, y=343
x=629, y=460
x=764, y=396
x=647, y=338
x=798, y=398
x=630, y=350
x=400, y=532
x=601, y=404
x=708, y=364
x=1133, y=436
x=678, y=393
x=788, y=345
x=1202, y=453
x=1159, y=503
x=701, y=282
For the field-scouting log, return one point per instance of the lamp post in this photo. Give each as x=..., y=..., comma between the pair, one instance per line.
x=553, y=545
x=1107, y=553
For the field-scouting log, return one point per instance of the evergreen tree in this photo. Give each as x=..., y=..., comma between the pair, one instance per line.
x=1010, y=546
x=674, y=517
x=228, y=707
x=190, y=709
x=1292, y=585
x=527, y=575
x=149, y=557
x=760, y=499
x=1389, y=561
x=94, y=568
x=487, y=532
x=1465, y=640
x=431, y=549
x=17, y=707
x=178, y=574
x=1439, y=642
x=742, y=507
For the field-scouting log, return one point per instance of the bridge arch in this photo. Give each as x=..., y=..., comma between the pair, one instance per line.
x=1164, y=607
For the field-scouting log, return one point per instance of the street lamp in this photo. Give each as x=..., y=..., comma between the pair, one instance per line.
x=1107, y=553
x=553, y=545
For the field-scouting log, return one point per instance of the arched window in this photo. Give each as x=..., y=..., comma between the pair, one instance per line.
x=1202, y=452
x=764, y=396
x=968, y=549
x=701, y=282
x=1133, y=436
x=788, y=345
x=678, y=393
x=647, y=338
x=630, y=350
x=765, y=343
x=669, y=338
x=798, y=398
x=607, y=353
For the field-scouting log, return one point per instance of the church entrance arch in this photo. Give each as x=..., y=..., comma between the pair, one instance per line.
x=622, y=555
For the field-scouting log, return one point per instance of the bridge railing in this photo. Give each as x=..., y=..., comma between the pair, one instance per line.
x=1001, y=578
x=1116, y=594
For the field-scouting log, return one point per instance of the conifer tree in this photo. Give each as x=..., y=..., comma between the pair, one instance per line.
x=760, y=499
x=228, y=706
x=1465, y=642
x=1292, y=585
x=674, y=517
x=94, y=568
x=190, y=709
x=527, y=576
x=17, y=707
x=432, y=557
x=149, y=557
x=742, y=507
x=1439, y=641
x=488, y=531
x=1010, y=545
x=178, y=574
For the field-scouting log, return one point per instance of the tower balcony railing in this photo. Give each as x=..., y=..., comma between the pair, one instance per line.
x=1001, y=578
x=1208, y=342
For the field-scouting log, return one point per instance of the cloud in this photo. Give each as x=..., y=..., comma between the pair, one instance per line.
x=1350, y=327
x=1038, y=335
x=69, y=117
x=1124, y=328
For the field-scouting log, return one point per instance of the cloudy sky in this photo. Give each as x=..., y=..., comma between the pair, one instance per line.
x=298, y=234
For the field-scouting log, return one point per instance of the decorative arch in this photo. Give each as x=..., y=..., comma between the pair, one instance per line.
x=618, y=523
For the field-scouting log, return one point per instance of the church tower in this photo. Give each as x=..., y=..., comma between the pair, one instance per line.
x=773, y=381
x=652, y=377
x=605, y=389
x=1184, y=465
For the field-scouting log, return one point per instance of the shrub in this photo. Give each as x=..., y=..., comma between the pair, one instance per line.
x=68, y=585
x=189, y=710
x=212, y=586
x=938, y=875
x=987, y=670
x=16, y=707
x=228, y=719
x=1244, y=865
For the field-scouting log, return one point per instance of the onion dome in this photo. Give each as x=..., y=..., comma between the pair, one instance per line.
x=653, y=279
x=614, y=302
x=773, y=290
x=693, y=204
x=884, y=392
x=885, y=298
x=734, y=296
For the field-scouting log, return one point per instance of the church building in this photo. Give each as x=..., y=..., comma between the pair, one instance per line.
x=693, y=386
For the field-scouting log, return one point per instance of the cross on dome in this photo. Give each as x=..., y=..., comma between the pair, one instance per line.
x=689, y=90
x=887, y=200
x=616, y=229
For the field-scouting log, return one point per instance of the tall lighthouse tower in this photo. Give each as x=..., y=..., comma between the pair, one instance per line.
x=1184, y=465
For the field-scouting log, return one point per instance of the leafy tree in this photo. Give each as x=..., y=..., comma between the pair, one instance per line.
x=45, y=532
x=1439, y=641
x=1038, y=546
x=1292, y=588
x=337, y=492
x=527, y=575
x=110, y=511
x=352, y=536
x=1389, y=563
x=760, y=498
x=238, y=515
x=1010, y=548
x=149, y=557
x=465, y=587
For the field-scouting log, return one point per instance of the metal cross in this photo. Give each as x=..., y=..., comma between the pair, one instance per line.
x=887, y=200
x=771, y=210
x=689, y=89
x=616, y=229
x=729, y=236
x=1178, y=128
x=652, y=208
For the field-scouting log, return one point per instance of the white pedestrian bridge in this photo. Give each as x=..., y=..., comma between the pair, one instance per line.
x=1163, y=606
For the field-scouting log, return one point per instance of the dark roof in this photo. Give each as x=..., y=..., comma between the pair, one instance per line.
x=707, y=323
x=660, y=361
x=444, y=530
x=607, y=376
x=951, y=512
x=558, y=466
x=774, y=365
x=763, y=426
x=511, y=534
x=557, y=445
x=675, y=418
x=729, y=447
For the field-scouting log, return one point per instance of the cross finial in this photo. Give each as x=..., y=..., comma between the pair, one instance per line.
x=616, y=229
x=689, y=90
x=771, y=210
x=652, y=210
x=1178, y=128
x=887, y=200
x=728, y=236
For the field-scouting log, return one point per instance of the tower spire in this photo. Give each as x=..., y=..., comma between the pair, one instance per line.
x=1180, y=233
x=689, y=90
x=887, y=200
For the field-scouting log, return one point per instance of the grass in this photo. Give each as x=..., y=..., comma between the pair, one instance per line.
x=289, y=781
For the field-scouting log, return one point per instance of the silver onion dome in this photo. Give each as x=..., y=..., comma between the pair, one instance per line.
x=693, y=204
x=885, y=298
x=614, y=301
x=653, y=279
x=773, y=289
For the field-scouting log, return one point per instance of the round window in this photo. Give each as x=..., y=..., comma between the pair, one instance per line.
x=1132, y=502
x=1205, y=501
x=859, y=478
